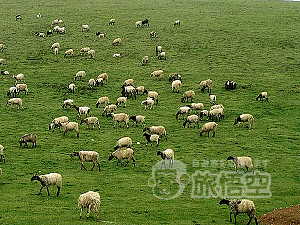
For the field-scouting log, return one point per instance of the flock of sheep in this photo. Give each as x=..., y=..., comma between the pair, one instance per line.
x=191, y=113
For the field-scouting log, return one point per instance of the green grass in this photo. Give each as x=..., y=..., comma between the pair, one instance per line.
x=253, y=42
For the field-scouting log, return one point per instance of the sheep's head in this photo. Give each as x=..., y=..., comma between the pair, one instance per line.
x=224, y=202
x=74, y=154
x=111, y=156
x=230, y=158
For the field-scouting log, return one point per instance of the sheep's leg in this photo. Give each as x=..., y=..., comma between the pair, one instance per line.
x=88, y=211
x=41, y=190
x=81, y=210
x=126, y=163
x=255, y=219
x=246, y=169
x=235, y=219
x=58, y=190
x=249, y=220
x=99, y=166
x=133, y=160
x=48, y=190
x=230, y=217
x=93, y=166
x=82, y=166
x=214, y=133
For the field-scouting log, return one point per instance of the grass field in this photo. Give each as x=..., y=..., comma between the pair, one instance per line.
x=250, y=42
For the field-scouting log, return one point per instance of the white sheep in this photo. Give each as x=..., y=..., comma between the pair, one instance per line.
x=122, y=154
x=128, y=82
x=48, y=180
x=162, y=55
x=138, y=23
x=157, y=73
x=92, y=83
x=56, y=21
x=167, y=154
x=19, y=77
x=56, y=122
x=158, y=49
x=159, y=130
x=99, y=81
x=138, y=119
x=206, y=84
x=203, y=113
x=184, y=110
x=197, y=106
x=61, y=30
x=91, y=54
x=140, y=90
x=91, y=202
x=176, y=84
x=148, y=103
x=2, y=153
x=12, y=91
x=102, y=100
x=245, y=118
x=70, y=126
x=109, y=109
x=242, y=161
x=79, y=75
x=1, y=47
x=117, y=55
x=28, y=138
x=15, y=101
x=121, y=100
x=55, y=51
x=154, y=95
x=71, y=88
x=85, y=49
x=174, y=76
x=112, y=22
x=241, y=206
x=68, y=102
x=104, y=76
x=177, y=23
x=69, y=52
x=152, y=34
x=123, y=142
x=129, y=91
x=41, y=34
x=145, y=60
x=4, y=72
x=55, y=45
x=220, y=106
x=117, y=41
x=152, y=138
x=120, y=117
x=213, y=98
x=191, y=119
x=102, y=35
x=91, y=121
x=207, y=127
x=262, y=95
x=188, y=95
x=2, y=61
x=82, y=110
x=85, y=27
x=87, y=156
x=22, y=87
x=55, y=29
x=216, y=113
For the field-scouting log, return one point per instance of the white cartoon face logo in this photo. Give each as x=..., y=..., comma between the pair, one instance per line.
x=166, y=183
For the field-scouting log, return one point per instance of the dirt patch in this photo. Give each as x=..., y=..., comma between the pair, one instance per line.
x=285, y=216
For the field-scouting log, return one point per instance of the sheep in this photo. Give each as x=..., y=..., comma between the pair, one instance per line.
x=141, y=89
x=91, y=54
x=157, y=73
x=152, y=34
x=154, y=95
x=91, y=121
x=241, y=206
x=70, y=126
x=230, y=85
x=121, y=100
x=56, y=21
x=19, y=77
x=40, y=34
x=138, y=119
x=92, y=83
x=102, y=100
x=120, y=117
x=262, y=95
x=18, y=17
x=85, y=27
x=109, y=109
x=56, y=122
x=176, y=84
x=245, y=118
x=4, y=72
x=2, y=153
x=71, y=88
x=123, y=142
x=216, y=113
x=220, y=106
x=197, y=106
x=162, y=55
x=69, y=52
x=12, y=91
x=207, y=127
x=79, y=75
x=129, y=91
x=112, y=22
x=117, y=55
x=14, y=101
x=117, y=41
x=177, y=23
x=0, y=172
x=104, y=76
x=159, y=130
x=206, y=84
x=47, y=180
x=191, y=119
x=145, y=60
x=148, y=103
x=87, y=156
x=55, y=29
x=49, y=32
x=22, y=87
x=99, y=81
x=158, y=49
x=138, y=23
x=184, y=110
x=1, y=47
x=61, y=30
x=128, y=82
x=85, y=49
x=167, y=154
x=174, y=76
x=145, y=22
x=2, y=61
x=38, y=15
x=122, y=154
x=151, y=138
x=55, y=45
x=102, y=35
x=188, y=95
x=28, y=138
x=55, y=51
x=82, y=110
x=242, y=162
x=213, y=98
x=90, y=201
x=203, y=113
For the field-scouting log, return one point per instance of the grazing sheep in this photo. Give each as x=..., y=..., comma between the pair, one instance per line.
x=145, y=22
x=104, y=76
x=121, y=100
x=188, y=95
x=176, y=84
x=4, y=72
x=167, y=154
x=148, y=103
x=128, y=82
x=159, y=130
x=262, y=95
x=79, y=75
x=117, y=55
x=87, y=156
x=56, y=22
x=213, y=98
x=154, y=95
x=145, y=60
x=242, y=162
x=56, y=122
x=2, y=153
x=92, y=83
x=157, y=73
x=245, y=118
x=82, y=110
x=141, y=89
x=191, y=119
x=197, y=106
x=55, y=51
x=109, y=109
x=85, y=27
x=1, y=47
x=220, y=106
x=91, y=54
x=2, y=61
x=216, y=113
x=19, y=77
x=91, y=121
x=70, y=126
x=207, y=127
x=122, y=154
x=61, y=30
x=28, y=138
x=206, y=84
x=55, y=29
x=158, y=49
x=123, y=142
x=102, y=35
x=152, y=34
x=204, y=113
x=177, y=23
x=151, y=138
x=138, y=23
x=49, y=32
x=69, y=52
x=117, y=41
x=38, y=15
x=71, y=88
x=90, y=201
x=12, y=92
x=184, y=110
x=102, y=100
x=112, y=22
x=230, y=85
x=55, y=45
x=162, y=55
x=138, y=119
x=14, y=101
x=22, y=87
x=41, y=34
x=120, y=117
x=47, y=180
x=129, y=91
x=99, y=81
x=18, y=17
x=84, y=50
x=68, y=102
x=174, y=76
x=241, y=206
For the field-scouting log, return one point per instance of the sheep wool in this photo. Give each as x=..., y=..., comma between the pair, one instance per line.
x=122, y=154
x=123, y=142
x=87, y=156
x=15, y=101
x=48, y=180
x=207, y=127
x=167, y=154
x=2, y=153
x=242, y=161
x=90, y=201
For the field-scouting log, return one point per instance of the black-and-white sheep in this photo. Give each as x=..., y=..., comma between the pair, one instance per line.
x=167, y=154
x=47, y=180
x=91, y=121
x=122, y=154
x=245, y=118
x=87, y=156
x=28, y=138
x=207, y=127
x=242, y=161
x=262, y=95
x=188, y=95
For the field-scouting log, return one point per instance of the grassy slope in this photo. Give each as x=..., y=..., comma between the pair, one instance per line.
x=247, y=41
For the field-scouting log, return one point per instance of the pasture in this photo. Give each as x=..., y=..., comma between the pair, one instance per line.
x=254, y=43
